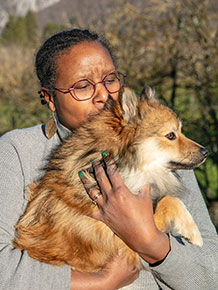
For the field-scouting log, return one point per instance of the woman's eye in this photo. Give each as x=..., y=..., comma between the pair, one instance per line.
x=171, y=136
x=111, y=79
x=82, y=86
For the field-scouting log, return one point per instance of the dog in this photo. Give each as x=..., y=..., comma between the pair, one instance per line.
x=145, y=140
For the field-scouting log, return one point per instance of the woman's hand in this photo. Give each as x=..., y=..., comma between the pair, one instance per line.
x=130, y=216
x=115, y=275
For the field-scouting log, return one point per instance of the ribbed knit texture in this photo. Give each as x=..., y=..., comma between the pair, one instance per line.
x=23, y=154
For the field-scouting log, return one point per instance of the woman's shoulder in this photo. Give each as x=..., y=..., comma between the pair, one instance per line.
x=26, y=143
x=29, y=147
x=25, y=135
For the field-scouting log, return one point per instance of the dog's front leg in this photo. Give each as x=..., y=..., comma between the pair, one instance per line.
x=171, y=212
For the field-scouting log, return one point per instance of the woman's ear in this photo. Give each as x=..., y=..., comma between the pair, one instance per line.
x=48, y=98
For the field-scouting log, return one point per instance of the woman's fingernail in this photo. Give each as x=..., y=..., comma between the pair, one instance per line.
x=104, y=154
x=80, y=174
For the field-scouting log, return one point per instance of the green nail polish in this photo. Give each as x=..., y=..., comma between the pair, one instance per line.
x=104, y=154
x=80, y=174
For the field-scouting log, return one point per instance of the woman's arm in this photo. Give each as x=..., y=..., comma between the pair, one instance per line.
x=115, y=275
x=17, y=270
x=181, y=265
x=188, y=266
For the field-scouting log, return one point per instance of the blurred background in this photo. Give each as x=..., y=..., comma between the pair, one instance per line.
x=171, y=45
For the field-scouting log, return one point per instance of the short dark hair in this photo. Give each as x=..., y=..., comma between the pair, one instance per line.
x=58, y=44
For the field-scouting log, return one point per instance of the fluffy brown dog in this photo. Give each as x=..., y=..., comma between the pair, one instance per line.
x=145, y=140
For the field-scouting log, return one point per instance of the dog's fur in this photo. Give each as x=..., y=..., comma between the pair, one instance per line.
x=145, y=140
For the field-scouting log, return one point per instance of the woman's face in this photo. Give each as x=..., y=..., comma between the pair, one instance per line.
x=85, y=60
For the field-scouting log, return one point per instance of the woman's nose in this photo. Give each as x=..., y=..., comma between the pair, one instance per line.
x=101, y=94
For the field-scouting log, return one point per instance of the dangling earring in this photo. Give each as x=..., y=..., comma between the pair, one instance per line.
x=42, y=97
x=51, y=126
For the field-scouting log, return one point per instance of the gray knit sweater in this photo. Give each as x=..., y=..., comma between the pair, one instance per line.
x=23, y=154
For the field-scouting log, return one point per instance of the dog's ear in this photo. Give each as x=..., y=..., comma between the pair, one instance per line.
x=129, y=103
x=148, y=94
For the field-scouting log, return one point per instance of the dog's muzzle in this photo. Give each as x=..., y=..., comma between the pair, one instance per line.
x=204, y=152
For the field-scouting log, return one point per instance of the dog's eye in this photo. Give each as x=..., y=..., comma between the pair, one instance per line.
x=171, y=136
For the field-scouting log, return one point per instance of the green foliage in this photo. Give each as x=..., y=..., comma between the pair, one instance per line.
x=21, y=114
x=22, y=31
x=19, y=102
x=50, y=29
x=8, y=34
x=32, y=29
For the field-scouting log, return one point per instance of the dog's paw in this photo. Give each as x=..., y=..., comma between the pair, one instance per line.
x=190, y=232
x=171, y=215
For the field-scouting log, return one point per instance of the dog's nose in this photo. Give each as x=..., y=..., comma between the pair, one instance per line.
x=204, y=151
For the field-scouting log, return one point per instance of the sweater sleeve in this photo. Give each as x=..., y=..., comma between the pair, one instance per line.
x=18, y=270
x=189, y=267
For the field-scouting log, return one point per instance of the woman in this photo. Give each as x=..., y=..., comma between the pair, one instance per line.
x=63, y=65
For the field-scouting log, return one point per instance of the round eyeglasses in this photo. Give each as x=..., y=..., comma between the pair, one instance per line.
x=84, y=89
